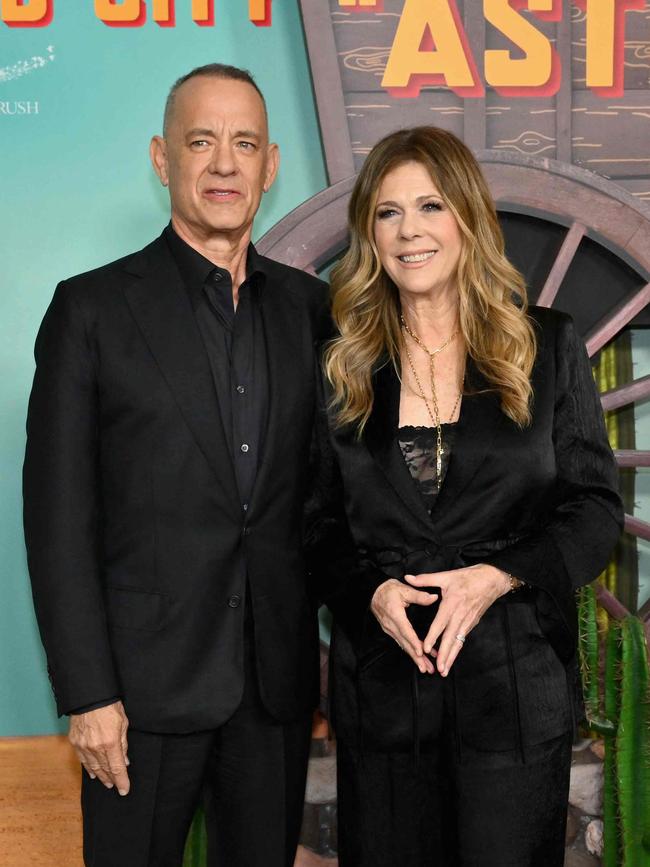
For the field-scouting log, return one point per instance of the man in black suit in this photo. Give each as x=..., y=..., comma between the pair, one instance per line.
x=168, y=442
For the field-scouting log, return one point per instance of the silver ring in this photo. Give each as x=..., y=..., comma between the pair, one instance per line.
x=461, y=638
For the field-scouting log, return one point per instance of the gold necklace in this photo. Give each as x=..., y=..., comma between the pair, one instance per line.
x=435, y=415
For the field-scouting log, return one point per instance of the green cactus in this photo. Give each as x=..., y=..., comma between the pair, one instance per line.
x=589, y=661
x=632, y=745
x=588, y=648
x=611, y=825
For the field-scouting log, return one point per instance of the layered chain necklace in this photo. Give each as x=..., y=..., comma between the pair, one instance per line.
x=434, y=413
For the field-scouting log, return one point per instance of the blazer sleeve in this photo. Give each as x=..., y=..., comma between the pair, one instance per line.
x=339, y=577
x=573, y=545
x=62, y=509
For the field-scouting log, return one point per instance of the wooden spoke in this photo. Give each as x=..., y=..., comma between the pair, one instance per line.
x=610, y=603
x=617, y=320
x=639, y=389
x=637, y=527
x=561, y=265
x=632, y=458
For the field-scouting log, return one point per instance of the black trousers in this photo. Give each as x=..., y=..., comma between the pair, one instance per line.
x=252, y=771
x=483, y=810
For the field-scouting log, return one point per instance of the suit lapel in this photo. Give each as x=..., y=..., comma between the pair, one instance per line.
x=479, y=422
x=380, y=436
x=162, y=309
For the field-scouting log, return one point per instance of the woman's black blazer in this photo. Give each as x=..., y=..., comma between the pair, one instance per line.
x=540, y=503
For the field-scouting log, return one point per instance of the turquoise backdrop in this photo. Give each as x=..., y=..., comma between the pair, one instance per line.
x=77, y=191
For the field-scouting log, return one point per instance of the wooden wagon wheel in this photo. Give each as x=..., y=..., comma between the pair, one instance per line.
x=559, y=195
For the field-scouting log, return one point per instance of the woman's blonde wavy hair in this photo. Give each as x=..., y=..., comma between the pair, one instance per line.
x=494, y=323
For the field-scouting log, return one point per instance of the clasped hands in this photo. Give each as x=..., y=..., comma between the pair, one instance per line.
x=99, y=738
x=466, y=593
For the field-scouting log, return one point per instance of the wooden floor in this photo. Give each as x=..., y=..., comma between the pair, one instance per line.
x=40, y=823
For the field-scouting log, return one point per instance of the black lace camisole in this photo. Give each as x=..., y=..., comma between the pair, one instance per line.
x=418, y=445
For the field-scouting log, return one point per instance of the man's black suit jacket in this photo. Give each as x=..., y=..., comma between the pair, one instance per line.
x=539, y=502
x=138, y=546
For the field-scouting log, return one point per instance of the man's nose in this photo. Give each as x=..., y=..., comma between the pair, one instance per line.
x=223, y=161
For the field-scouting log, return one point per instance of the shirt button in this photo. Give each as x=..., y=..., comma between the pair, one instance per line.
x=216, y=276
x=234, y=601
x=241, y=389
x=244, y=447
x=245, y=507
x=246, y=531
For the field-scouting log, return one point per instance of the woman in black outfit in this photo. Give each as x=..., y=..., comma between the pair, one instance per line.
x=467, y=489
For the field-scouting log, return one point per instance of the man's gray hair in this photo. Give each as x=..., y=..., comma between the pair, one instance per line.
x=214, y=70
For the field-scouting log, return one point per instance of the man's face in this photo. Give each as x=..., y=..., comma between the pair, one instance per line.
x=215, y=157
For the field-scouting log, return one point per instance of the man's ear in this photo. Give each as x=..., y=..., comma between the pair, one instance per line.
x=158, y=155
x=272, y=165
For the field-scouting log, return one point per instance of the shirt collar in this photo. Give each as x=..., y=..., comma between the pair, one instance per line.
x=195, y=268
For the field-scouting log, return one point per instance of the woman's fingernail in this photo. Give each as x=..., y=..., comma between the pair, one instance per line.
x=92, y=776
x=108, y=785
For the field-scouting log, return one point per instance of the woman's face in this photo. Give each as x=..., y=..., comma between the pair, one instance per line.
x=416, y=234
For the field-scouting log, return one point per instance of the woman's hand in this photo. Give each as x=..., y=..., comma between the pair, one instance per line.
x=389, y=604
x=466, y=595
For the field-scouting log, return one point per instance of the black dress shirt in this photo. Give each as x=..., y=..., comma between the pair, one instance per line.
x=236, y=347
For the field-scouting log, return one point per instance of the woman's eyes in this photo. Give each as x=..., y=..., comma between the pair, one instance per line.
x=427, y=207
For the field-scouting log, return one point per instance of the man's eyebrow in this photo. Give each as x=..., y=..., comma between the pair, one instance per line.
x=240, y=133
x=199, y=131
x=247, y=133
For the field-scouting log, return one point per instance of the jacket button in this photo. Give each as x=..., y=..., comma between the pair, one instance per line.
x=234, y=601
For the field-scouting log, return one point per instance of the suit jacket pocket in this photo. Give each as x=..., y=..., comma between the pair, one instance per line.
x=129, y=608
x=397, y=705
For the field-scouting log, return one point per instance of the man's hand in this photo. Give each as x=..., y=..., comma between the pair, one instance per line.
x=389, y=604
x=99, y=739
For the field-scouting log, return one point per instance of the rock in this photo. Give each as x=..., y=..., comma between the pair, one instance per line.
x=586, y=788
x=580, y=745
x=307, y=858
x=594, y=837
x=598, y=749
x=574, y=858
x=321, y=781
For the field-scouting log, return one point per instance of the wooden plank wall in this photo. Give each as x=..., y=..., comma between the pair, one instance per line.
x=609, y=136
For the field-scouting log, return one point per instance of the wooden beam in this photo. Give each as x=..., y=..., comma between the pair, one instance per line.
x=561, y=265
x=639, y=389
x=610, y=603
x=610, y=326
x=637, y=527
x=326, y=81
